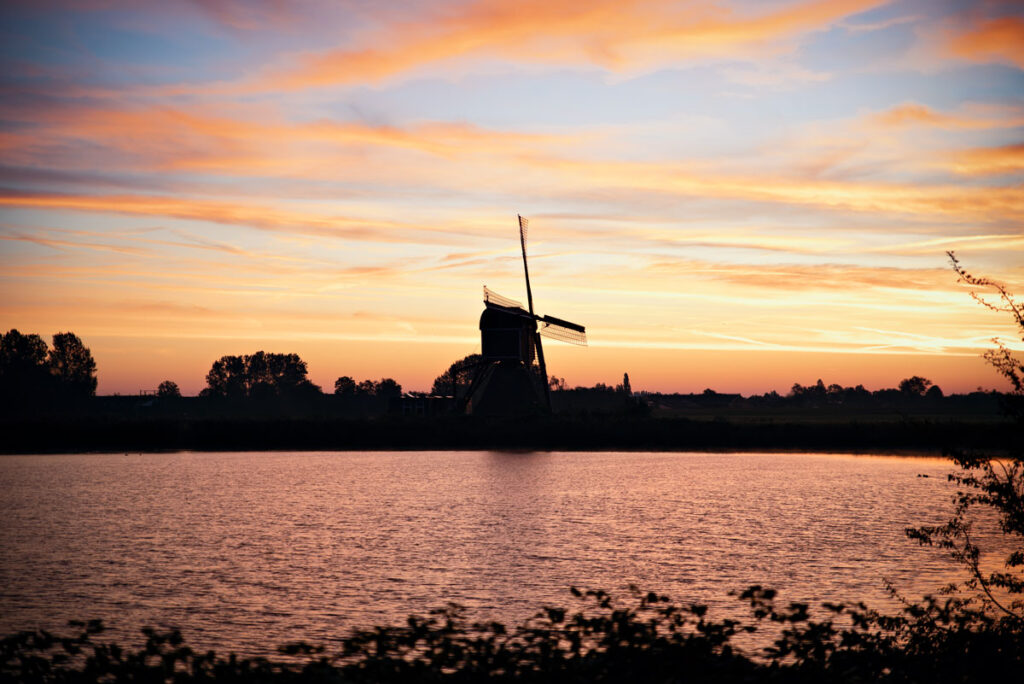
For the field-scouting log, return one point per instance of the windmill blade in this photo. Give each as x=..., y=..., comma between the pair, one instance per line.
x=523, y=226
x=557, y=329
x=492, y=297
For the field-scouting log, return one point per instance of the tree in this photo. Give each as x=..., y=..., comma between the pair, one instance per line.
x=226, y=378
x=24, y=372
x=71, y=363
x=989, y=483
x=388, y=389
x=457, y=378
x=259, y=375
x=367, y=388
x=915, y=386
x=168, y=389
x=344, y=386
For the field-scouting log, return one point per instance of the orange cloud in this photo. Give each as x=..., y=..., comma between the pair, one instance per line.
x=615, y=34
x=914, y=114
x=234, y=213
x=810, y=277
x=166, y=138
x=973, y=117
x=997, y=242
x=386, y=158
x=987, y=161
x=552, y=176
x=71, y=244
x=1000, y=39
x=967, y=203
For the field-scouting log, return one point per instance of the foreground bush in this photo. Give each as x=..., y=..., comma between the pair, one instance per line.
x=648, y=639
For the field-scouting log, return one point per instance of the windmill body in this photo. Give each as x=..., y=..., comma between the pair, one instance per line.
x=511, y=376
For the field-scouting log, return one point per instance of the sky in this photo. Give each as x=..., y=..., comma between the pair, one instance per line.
x=728, y=195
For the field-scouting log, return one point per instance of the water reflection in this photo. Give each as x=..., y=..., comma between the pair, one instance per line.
x=243, y=550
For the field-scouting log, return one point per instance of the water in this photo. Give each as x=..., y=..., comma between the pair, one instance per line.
x=245, y=551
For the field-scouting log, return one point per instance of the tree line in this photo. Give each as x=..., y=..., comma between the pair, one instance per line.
x=32, y=371
x=264, y=375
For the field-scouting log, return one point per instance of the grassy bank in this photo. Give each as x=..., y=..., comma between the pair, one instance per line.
x=74, y=433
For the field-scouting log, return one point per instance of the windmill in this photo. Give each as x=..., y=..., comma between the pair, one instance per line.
x=505, y=379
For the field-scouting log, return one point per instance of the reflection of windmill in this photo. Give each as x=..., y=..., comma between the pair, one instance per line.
x=506, y=379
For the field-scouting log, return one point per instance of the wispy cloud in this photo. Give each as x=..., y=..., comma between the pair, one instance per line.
x=854, y=27
x=988, y=161
x=912, y=114
x=307, y=222
x=998, y=39
x=612, y=34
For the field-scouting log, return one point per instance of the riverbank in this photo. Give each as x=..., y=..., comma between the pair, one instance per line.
x=789, y=432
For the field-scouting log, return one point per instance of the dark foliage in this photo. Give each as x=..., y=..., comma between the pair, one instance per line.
x=455, y=381
x=385, y=388
x=915, y=385
x=31, y=374
x=168, y=389
x=72, y=365
x=648, y=639
x=259, y=376
x=345, y=387
x=24, y=373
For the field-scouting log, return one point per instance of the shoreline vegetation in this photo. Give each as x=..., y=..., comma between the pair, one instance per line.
x=647, y=638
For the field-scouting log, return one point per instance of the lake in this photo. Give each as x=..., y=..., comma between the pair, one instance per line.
x=244, y=551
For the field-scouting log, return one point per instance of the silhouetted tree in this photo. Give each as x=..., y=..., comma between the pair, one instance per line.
x=367, y=388
x=457, y=378
x=168, y=389
x=71, y=363
x=259, y=375
x=556, y=384
x=345, y=386
x=915, y=385
x=627, y=389
x=226, y=378
x=995, y=483
x=272, y=375
x=24, y=371
x=388, y=389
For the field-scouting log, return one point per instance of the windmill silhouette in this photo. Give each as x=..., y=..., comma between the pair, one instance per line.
x=506, y=379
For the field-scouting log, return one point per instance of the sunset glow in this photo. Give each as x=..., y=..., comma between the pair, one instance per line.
x=735, y=195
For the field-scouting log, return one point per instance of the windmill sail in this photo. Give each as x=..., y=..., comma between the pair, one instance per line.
x=492, y=297
x=524, y=225
x=557, y=329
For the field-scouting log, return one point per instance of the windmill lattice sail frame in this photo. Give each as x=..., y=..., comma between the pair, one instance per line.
x=492, y=297
x=563, y=331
